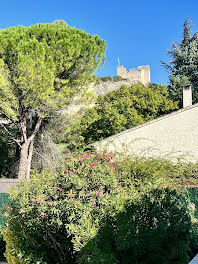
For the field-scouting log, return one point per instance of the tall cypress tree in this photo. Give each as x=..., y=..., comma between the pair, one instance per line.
x=184, y=64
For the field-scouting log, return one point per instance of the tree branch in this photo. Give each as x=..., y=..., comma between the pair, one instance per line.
x=7, y=117
x=36, y=129
x=15, y=140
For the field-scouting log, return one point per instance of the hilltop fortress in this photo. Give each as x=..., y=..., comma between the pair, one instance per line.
x=139, y=75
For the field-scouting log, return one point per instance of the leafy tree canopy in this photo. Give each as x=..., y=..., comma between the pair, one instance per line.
x=41, y=68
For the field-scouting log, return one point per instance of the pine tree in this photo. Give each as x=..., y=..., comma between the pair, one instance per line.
x=183, y=67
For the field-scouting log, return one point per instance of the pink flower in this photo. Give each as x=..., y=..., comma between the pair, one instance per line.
x=110, y=163
x=10, y=208
x=114, y=163
x=98, y=155
x=93, y=166
x=67, y=171
x=37, y=219
x=90, y=174
x=69, y=155
x=55, y=187
x=46, y=217
x=50, y=203
x=21, y=211
x=75, y=202
x=60, y=189
x=70, y=195
x=88, y=194
x=66, y=160
x=47, y=223
x=112, y=168
x=117, y=190
x=94, y=204
x=111, y=157
x=47, y=202
x=39, y=200
x=97, y=193
x=71, y=172
x=62, y=194
x=55, y=203
x=102, y=191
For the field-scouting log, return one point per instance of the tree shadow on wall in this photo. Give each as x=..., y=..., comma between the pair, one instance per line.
x=154, y=229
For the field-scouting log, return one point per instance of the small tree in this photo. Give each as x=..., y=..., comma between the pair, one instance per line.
x=41, y=68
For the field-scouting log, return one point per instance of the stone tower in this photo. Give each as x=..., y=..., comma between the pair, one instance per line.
x=141, y=74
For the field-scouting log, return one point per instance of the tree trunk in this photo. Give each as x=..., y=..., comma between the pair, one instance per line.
x=31, y=148
x=26, y=152
x=23, y=163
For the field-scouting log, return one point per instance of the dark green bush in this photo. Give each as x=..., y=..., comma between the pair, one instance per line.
x=2, y=248
x=154, y=229
x=4, y=200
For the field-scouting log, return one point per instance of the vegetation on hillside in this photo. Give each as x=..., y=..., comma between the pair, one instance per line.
x=115, y=112
x=116, y=78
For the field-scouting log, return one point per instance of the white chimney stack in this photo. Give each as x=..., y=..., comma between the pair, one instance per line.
x=187, y=95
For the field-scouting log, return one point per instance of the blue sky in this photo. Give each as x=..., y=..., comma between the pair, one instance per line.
x=138, y=32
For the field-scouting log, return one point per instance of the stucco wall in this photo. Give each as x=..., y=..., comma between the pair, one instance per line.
x=170, y=136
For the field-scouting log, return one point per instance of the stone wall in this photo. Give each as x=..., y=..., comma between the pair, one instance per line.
x=141, y=74
x=169, y=136
x=6, y=184
x=106, y=87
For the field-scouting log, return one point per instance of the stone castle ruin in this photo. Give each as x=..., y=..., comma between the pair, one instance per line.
x=139, y=75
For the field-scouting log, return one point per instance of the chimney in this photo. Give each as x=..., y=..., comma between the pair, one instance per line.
x=187, y=95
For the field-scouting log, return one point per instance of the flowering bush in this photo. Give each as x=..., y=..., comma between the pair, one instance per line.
x=90, y=212
x=57, y=213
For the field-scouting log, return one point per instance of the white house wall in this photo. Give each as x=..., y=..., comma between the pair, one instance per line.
x=171, y=136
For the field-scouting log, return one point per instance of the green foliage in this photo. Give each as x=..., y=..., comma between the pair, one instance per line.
x=124, y=109
x=41, y=63
x=8, y=155
x=2, y=247
x=99, y=209
x=59, y=213
x=116, y=78
x=41, y=68
x=154, y=228
x=183, y=65
x=4, y=200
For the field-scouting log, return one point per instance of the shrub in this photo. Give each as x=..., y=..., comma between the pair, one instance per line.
x=2, y=247
x=56, y=214
x=95, y=210
x=153, y=229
